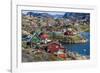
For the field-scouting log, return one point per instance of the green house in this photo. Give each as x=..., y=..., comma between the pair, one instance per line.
x=36, y=38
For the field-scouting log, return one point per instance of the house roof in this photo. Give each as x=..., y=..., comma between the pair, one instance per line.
x=54, y=47
x=44, y=36
x=35, y=38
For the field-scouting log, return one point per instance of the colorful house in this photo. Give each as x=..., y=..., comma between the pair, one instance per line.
x=43, y=36
x=61, y=53
x=54, y=47
x=70, y=32
x=35, y=40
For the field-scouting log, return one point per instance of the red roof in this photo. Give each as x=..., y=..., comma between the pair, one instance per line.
x=44, y=36
x=54, y=47
x=68, y=33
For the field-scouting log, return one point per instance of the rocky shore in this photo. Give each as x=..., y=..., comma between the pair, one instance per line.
x=32, y=55
x=75, y=42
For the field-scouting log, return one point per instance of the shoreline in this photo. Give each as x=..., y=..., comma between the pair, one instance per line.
x=31, y=55
x=75, y=42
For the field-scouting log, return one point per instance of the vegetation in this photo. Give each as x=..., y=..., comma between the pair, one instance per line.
x=64, y=29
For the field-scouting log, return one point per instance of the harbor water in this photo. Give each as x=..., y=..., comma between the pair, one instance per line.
x=81, y=48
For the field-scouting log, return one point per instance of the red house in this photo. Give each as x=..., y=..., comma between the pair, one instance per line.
x=68, y=33
x=54, y=47
x=44, y=36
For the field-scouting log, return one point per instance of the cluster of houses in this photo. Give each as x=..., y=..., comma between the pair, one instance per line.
x=40, y=41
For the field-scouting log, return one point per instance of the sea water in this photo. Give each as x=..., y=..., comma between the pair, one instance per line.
x=81, y=48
